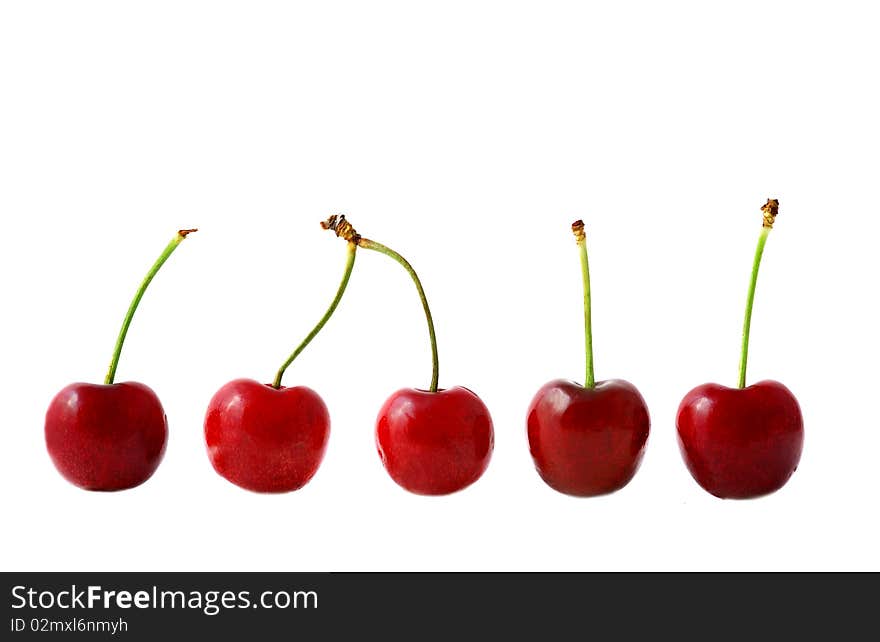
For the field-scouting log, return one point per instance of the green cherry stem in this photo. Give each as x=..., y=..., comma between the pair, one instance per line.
x=117, y=349
x=349, y=266
x=770, y=210
x=344, y=229
x=387, y=251
x=578, y=228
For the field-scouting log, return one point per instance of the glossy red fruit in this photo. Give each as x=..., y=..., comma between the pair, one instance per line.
x=434, y=443
x=265, y=439
x=587, y=441
x=741, y=442
x=106, y=437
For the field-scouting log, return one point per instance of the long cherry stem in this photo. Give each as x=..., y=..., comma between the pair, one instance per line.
x=117, y=349
x=349, y=266
x=770, y=210
x=344, y=229
x=578, y=228
x=387, y=251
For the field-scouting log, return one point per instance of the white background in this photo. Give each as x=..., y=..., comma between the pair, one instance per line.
x=467, y=136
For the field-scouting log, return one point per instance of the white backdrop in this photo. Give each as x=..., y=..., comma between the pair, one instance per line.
x=467, y=136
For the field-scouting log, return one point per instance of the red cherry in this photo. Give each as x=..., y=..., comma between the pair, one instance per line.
x=111, y=436
x=268, y=438
x=265, y=439
x=434, y=443
x=106, y=437
x=741, y=442
x=588, y=441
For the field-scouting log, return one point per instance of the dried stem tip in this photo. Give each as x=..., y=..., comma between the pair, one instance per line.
x=183, y=233
x=342, y=228
x=770, y=210
x=578, y=229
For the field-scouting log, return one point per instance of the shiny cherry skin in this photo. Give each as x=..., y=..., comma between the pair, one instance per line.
x=587, y=441
x=434, y=443
x=106, y=437
x=741, y=443
x=264, y=439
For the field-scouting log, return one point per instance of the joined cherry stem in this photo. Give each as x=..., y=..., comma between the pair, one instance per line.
x=349, y=266
x=344, y=230
x=387, y=251
x=770, y=211
x=129, y=315
x=578, y=229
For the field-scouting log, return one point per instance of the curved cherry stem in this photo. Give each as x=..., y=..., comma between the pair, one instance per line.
x=117, y=349
x=344, y=230
x=349, y=266
x=367, y=244
x=578, y=228
x=770, y=210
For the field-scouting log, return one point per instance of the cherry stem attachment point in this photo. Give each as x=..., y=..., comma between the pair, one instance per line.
x=578, y=229
x=344, y=230
x=349, y=266
x=117, y=349
x=770, y=210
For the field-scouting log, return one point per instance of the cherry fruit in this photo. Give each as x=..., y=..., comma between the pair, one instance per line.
x=587, y=440
x=742, y=442
x=267, y=438
x=435, y=441
x=112, y=436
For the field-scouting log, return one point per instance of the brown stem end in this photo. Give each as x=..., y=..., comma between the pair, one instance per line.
x=184, y=233
x=770, y=209
x=342, y=228
x=577, y=229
